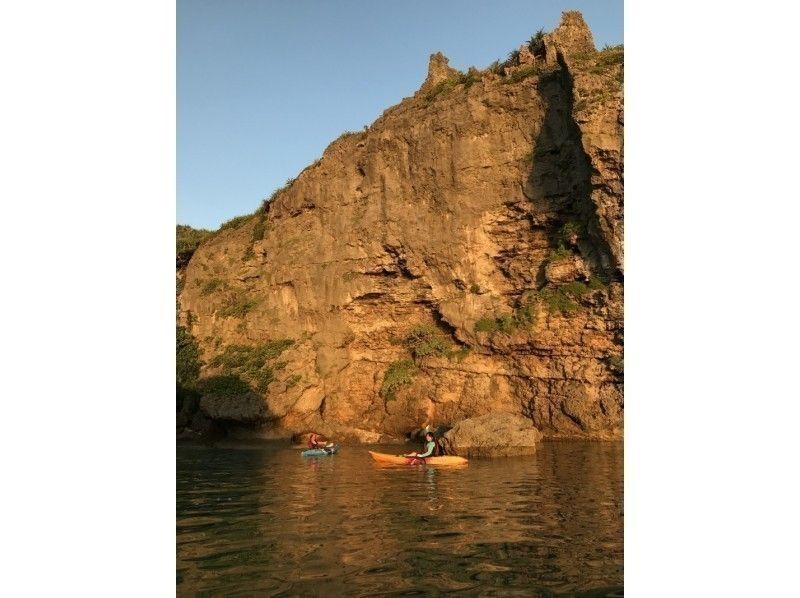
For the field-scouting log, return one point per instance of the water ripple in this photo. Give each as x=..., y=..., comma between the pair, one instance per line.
x=266, y=521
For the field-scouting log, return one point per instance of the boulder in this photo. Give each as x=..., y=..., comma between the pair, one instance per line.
x=493, y=435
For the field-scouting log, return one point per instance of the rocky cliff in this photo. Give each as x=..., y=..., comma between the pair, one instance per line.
x=462, y=255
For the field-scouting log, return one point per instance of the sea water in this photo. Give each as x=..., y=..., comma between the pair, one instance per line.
x=261, y=519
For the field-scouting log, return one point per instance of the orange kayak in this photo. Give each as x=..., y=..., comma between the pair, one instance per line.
x=400, y=460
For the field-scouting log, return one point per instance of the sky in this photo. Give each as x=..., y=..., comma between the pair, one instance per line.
x=264, y=86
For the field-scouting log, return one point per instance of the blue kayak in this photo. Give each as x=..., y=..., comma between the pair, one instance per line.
x=319, y=452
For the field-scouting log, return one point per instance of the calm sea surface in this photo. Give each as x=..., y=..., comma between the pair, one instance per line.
x=262, y=520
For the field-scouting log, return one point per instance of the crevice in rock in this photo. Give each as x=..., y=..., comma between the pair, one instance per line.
x=369, y=297
x=573, y=418
x=399, y=257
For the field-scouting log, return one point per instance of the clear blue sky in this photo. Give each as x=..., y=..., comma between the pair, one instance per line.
x=264, y=86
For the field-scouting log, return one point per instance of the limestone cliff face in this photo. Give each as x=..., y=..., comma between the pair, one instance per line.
x=461, y=256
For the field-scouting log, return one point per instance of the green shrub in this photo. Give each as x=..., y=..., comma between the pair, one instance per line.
x=425, y=340
x=187, y=240
x=212, y=285
x=557, y=301
x=234, y=222
x=603, y=62
x=459, y=354
x=399, y=373
x=575, y=289
x=563, y=298
x=523, y=73
x=506, y=323
x=523, y=316
x=347, y=134
x=570, y=230
x=474, y=289
x=250, y=357
x=252, y=362
x=469, y=78
x=259, y=229
x=486, y=325
x=536, y=43
x=226, y=385
x=596, y=284
x=439, y=88
x=238, y=306
x=610, y=55
x=559, y=254
x=187, y=358
x=466, y=79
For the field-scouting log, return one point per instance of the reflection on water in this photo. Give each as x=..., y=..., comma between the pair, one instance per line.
x=266, y=520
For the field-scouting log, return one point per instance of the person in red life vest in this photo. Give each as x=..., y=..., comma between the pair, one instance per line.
x=317, y=441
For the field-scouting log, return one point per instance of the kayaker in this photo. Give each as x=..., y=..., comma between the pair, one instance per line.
x=430, y=448
x=317, y=441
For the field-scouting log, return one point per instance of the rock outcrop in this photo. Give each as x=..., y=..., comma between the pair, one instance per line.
x=460, y=257
x=493, y=435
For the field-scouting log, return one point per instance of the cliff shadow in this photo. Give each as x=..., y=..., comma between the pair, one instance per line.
x=559, y=184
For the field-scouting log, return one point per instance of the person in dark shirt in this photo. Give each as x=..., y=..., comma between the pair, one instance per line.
x=430, y=449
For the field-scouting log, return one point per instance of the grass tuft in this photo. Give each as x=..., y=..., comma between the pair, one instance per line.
x=425, y=340
x=238, y=306
x=523, y=73
x=212, y=285
x=227, y=385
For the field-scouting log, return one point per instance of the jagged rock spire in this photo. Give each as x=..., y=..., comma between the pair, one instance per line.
x=572, y=36
x=439, y=69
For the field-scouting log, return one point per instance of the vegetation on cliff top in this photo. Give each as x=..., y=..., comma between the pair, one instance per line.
x=466, y=79
x=536, y=43
x=607, y=66
x=187, y=240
